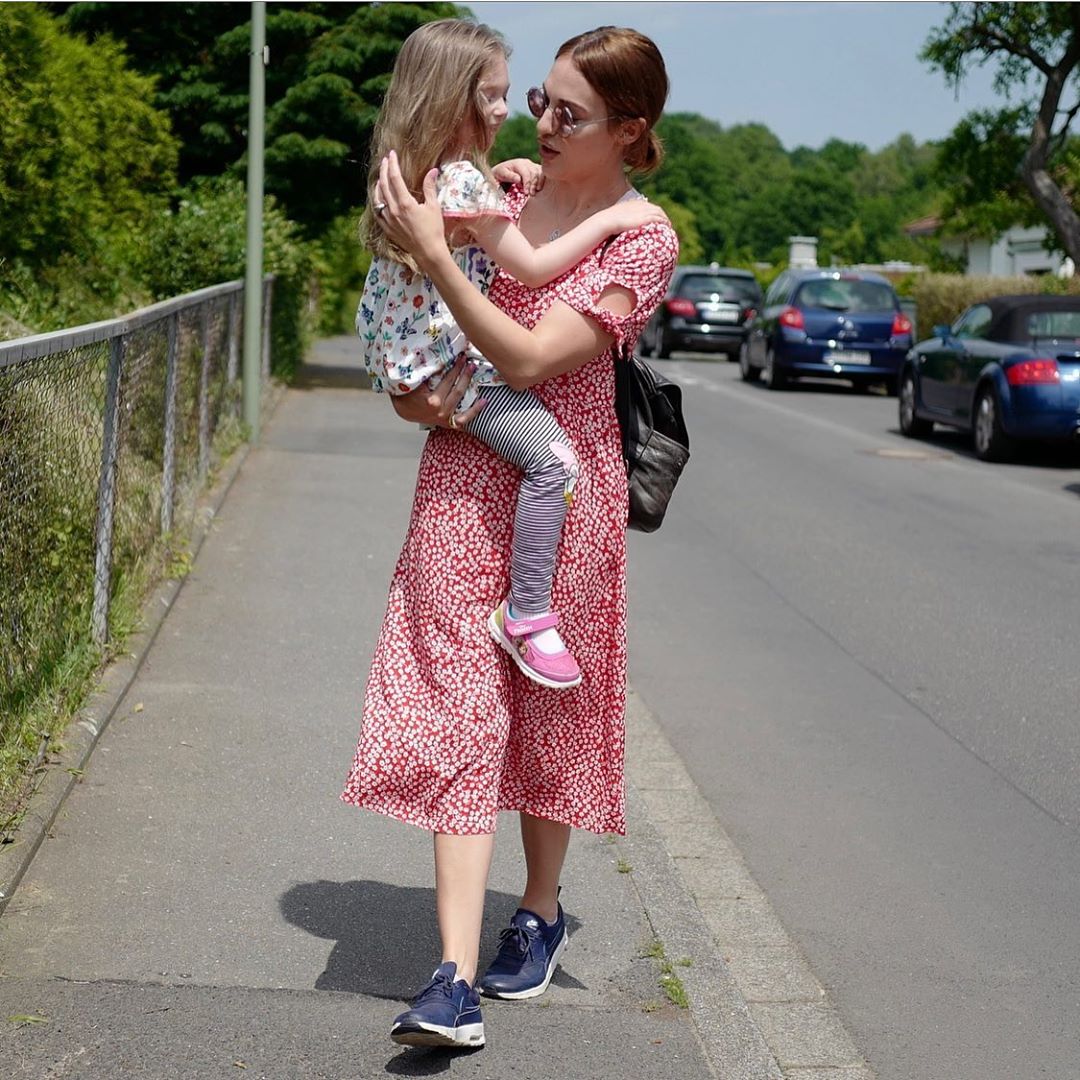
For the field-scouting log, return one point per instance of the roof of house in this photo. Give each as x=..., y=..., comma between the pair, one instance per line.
x=924, y=226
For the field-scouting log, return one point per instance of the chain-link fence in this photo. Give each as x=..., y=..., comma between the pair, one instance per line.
x=106, y=436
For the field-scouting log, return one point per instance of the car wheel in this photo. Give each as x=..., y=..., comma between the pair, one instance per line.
x=746, y=369
x=663, y=343
x=991, y=442
x=774, y=378
x=911, y=425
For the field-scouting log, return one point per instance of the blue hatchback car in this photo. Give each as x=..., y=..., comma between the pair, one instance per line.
x=831, y=324
x=1007, y=369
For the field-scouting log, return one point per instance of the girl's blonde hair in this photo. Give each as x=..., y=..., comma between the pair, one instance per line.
x=433, y=97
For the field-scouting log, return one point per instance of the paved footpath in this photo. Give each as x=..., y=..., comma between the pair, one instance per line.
x=204, y=906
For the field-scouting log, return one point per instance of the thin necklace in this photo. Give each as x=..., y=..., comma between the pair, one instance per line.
x=557, y=232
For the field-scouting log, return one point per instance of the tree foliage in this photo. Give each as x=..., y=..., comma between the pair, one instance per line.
x=747, y=194
x=329, y=67
x=84, y=155
x=1036, y=50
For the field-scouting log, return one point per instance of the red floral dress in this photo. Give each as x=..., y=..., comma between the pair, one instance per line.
x=451, y=731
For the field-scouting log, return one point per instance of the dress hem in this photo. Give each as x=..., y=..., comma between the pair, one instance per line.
x=428, y=823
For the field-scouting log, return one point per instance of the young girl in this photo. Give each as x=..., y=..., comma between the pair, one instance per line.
x=443, y=109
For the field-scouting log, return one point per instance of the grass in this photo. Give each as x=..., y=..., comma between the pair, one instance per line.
x=37, y=710
x=668, y=979
x=65, y=686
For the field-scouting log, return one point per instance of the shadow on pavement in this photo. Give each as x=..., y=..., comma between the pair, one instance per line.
x=387, y=942
x=331, y=377
x=425, y=1062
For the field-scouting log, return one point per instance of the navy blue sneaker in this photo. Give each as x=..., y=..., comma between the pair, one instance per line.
x=444, y=1013
x=529, y=951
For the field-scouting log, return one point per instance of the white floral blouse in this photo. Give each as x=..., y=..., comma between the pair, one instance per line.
x=409, y=336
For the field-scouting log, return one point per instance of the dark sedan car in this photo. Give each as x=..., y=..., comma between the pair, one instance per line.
x=706, y=309
x=1007, y=369
x=831, y=324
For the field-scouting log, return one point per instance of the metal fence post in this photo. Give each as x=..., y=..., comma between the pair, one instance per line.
x=204, y=396
x=168, y=479
x=268, y=295
x=99, y=617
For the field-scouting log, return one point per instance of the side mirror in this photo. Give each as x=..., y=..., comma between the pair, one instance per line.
x=943, y=332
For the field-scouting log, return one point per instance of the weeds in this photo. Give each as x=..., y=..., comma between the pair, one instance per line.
x=48, y=659
x=669, y=981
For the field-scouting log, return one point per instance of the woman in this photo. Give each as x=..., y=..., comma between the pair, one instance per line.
x=451, y=731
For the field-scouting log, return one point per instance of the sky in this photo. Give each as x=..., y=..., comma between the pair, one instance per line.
x=809, y=71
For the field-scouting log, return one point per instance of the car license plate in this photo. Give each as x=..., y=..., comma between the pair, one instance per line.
x=718, y=313
x=847, y=357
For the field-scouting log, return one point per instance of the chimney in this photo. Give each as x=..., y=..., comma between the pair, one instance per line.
x=802, y=252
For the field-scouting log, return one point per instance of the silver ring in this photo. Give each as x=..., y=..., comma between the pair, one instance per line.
x=379, y=207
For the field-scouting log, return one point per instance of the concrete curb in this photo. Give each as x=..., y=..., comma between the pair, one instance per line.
x=105, y=700
x=760, y=1012
x=732, y=1042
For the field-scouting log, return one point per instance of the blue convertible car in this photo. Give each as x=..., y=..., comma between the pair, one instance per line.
x=1007, y=369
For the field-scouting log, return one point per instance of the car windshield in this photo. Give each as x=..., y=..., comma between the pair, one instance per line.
x=709, y=286
x=1054, y=324
x=846, y=294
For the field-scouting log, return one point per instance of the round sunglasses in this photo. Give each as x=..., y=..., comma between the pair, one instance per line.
x=565, y=124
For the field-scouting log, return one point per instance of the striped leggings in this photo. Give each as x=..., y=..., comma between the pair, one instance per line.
x=518, y=427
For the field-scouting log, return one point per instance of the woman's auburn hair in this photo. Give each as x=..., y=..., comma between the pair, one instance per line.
x=626, y=69
x=433, y=97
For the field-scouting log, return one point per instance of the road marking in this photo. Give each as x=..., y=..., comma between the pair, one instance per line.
x=899, y=453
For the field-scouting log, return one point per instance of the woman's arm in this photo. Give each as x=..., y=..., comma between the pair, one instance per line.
x=535, y=266
x=561, y=341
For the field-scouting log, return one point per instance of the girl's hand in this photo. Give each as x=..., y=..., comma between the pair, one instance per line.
x=634, y=214
x=416, y=227
x=520, y=171
x=436, y=408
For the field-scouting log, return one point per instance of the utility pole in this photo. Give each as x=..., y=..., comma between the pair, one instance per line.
x=253, y=276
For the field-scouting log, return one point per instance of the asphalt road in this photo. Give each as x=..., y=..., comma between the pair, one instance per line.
x=867, y=650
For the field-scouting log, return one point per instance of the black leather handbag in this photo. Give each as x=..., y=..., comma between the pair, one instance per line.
x=655, y=442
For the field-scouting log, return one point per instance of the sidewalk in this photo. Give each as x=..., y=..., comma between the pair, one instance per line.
x=205, y=906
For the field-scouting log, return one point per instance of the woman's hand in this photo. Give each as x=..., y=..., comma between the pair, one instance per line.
x=416, y=227
x=520, y=171
x=436, y=408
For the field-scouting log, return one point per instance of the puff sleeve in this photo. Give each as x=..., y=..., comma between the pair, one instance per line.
x=642, y=261
x=465, y=192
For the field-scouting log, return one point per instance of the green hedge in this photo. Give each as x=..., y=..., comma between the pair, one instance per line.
x=942, y=297
x=202, y=242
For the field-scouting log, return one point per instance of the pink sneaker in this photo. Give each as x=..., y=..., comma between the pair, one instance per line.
x=559, y=671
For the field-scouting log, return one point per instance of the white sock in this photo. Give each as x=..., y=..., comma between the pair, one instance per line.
x=547, y=641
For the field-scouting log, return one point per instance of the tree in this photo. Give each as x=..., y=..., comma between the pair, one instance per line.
x=682, y=221
x=1037, y=50
x=329, y=68
x=85, y=158
x=516, y=138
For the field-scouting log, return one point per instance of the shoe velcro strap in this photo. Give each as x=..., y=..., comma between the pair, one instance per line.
x=523, y=627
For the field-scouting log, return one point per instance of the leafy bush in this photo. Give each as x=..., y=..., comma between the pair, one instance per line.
x=202, y=242
x=341, y=264
x=85, y=157
x=942, y=297
x=85, y=160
